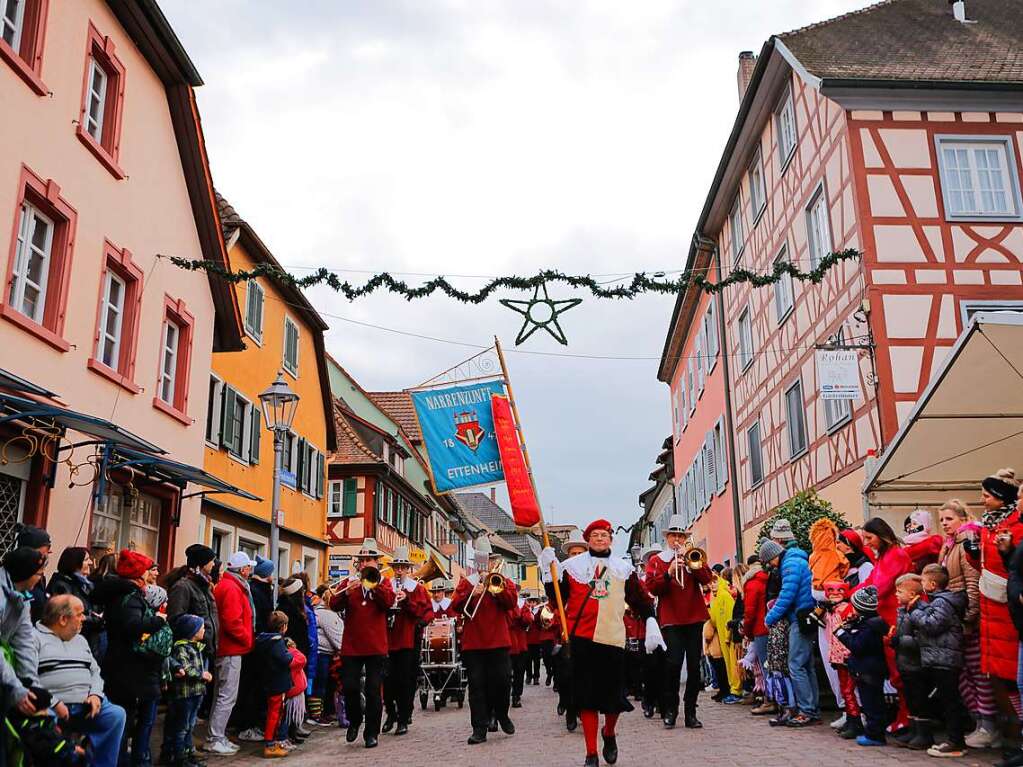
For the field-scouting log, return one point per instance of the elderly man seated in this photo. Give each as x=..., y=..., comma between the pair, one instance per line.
x=68, y=670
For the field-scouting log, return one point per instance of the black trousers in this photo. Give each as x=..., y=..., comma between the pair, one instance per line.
x=634, y=673
x=533, y=668
x=685, y=645
x=400, y=684
x=489, y=675
x=563, y=675
x=653, y=677
x=352, y=667
x=875, y=713
x=949, y=702
x=519, y=661
x=547, y=655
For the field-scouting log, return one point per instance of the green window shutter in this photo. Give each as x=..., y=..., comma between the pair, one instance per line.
x=229, y=425
x=257, y=422
x=320, y=460
x=349, y=507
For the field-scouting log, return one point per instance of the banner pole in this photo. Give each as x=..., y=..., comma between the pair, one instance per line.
x=532, y=481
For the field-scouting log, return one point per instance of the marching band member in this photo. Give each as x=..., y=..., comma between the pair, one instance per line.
x=653, y=662
x=411, y=606
x=365, y=599
x=438, y=601
x=519, y=620
x=533, y=638
x=549, y=636
x=596, y=588
x=485, y=644
x=681, y=613
x=573, y=545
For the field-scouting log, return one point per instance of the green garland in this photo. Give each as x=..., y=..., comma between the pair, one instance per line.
x=641, y=283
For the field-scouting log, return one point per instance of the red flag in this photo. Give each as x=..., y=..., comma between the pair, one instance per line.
x=525, y=509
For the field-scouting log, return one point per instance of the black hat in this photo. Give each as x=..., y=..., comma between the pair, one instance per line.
x=186, y=625
x=23, y=562
x=33, y=537
x=198, y=555
x=1001, y=488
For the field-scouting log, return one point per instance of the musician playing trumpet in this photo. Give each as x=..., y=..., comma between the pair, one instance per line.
x=483, y=599
x=411, y=606
x=365, y=599
x=675, y=576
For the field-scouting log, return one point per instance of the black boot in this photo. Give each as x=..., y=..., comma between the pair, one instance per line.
x=388, y=723
x=401, y=729
x=516, y=703
x=853, y=728
x=902, y=738
x=561, y=709
x=610, y=749
x=492, y=727
x=691, y=722
x=371, y=741
x=591, y=761
x=670, y=719
x=507, y=727
x=478, y=736
x=571, y=722
x=922, y=738
x=353, y=733
x=648, y=710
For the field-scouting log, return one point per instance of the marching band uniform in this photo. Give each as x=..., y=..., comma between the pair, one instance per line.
x=439, y=604
x=681, y=613
x=596, y=588
x=518, y=620
x=548, y=636
x=653, y=662
x=364, y=647
x=403, y=649
x=635, y=635
x=533, y=638
x=563, y=658
x=485, y=644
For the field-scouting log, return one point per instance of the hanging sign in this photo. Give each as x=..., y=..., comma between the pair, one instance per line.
x=458, y=431
x=525, y=509
x=838, y=375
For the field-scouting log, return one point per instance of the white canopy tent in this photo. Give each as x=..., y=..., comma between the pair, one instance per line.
x=967, y=424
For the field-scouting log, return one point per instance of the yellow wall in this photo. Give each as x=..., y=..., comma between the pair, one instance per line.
x=250, y=372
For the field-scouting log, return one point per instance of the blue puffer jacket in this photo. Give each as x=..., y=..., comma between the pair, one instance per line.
x=796, y=587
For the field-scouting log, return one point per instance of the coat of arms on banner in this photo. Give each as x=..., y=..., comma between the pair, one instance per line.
x=468, y=430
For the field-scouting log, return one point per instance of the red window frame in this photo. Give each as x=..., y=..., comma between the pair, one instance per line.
x=174, y=310
x=119, y=262
x=44, y=195
x=27, y=61
x=108, y=149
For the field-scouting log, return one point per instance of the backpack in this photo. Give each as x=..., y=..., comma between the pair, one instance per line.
x=156, y=645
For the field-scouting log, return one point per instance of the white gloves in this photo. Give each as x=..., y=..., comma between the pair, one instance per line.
x=548, y=558
x=653, y=636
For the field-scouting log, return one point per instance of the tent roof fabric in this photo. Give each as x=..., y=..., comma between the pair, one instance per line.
x=967, y=424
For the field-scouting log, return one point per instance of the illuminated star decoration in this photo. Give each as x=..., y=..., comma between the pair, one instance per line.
x=541, y=312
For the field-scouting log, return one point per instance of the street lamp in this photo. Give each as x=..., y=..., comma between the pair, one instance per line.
x=279, y=406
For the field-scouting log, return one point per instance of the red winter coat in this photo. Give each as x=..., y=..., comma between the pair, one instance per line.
x=999, y=640
x=297, y=668
x=415, y=608
x=365, y=619
x=754, y=610
x=925, y=552
x=234, y=607
x=889, y=567
x=677, y=605
x=489, y=629
x=534, y=631
x=518, y=620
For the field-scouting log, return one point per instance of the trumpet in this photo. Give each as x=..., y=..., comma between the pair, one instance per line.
x=546, y=617
x=494, y=584
x=369, y=579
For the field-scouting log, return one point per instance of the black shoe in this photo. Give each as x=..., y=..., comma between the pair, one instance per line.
x=1013, y=760
x=548, y=681
x=669, y=721
x=692, y=723
x=492, y=727
x=478, y=736
x=507, y=727
x=516, y=703
x=353, y=733
x=610, y=749
x=922, y=738
x=591, y=761
x=371, y=741
x=853, y=728
x=388, y=724
x=571, y=723
x=561, y=710
x=401, y=729
x=648, y=711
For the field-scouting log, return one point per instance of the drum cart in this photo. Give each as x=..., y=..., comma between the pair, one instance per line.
x=441, y=675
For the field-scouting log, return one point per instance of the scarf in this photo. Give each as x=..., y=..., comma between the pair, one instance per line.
x=992, y=519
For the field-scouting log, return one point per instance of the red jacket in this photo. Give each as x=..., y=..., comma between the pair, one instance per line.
x=887, y=569
x=534, y=631
x=297, y=668
x=236, y=632
x=518, y=619
x=635, y=627
x=925, y=552
x=415, y=608
x=754, y=610
x=365, y=619
x=489, y=629
x=677, y=605
x=998, y=634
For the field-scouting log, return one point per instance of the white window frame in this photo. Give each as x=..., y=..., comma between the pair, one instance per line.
x=745, y=333
x=293, y=371
x=169, y=352
x=757, y=187
x=783, y=288
x=1012, y=184
x=24, y=250
x=796, y=451
x=17, y=24
x=972, y=306
x=339, y=485
x=837, y=413
x=785, y=125
x=314, y=554
x=755, y=426
x=818, y=226
x=101, y=343
x=283, y=559
x=252, y=290
x=94, y=125
x=735, y=226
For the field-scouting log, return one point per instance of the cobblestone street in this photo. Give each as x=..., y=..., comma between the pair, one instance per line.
x=730, y=738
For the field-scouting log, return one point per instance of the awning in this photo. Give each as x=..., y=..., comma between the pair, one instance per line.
x=14, y=408
x=967, y=424
x=161, y=469
x=14, y=382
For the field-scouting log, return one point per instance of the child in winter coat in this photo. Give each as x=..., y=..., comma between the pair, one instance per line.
x=938, y=626
x=274, y=662
x=909, y=592
x=294, y=699
x=184, y=682
x=863, y=634
x=838, y=611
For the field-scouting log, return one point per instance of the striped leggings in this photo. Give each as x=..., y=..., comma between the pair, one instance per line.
x=975, y=686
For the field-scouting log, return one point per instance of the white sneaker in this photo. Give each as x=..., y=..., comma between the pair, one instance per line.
x=839, y=723
x=287, y=745
x=251, y=735
x=220, y=747
x=983, y=738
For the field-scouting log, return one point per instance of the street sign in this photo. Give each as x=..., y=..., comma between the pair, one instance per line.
x=838, y=374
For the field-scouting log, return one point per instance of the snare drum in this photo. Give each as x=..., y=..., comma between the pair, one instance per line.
x=439, y=642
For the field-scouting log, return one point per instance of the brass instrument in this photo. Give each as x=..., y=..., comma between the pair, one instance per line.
x=696, y=558
x=689, y=558
x=494, y=582
x=546, y=617
x=430, y=570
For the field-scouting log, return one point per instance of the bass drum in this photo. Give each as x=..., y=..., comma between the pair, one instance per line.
x=439, y=642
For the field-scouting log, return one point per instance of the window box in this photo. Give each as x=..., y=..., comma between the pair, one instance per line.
x=22, y=34
x=175, y=361
x=978, y=178
x=117, y=318
x=99, y=120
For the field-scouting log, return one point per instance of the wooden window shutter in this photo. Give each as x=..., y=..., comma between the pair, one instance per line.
x=257, y=422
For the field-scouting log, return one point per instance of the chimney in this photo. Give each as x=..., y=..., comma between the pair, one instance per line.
x=747, y=62
x=959, y=10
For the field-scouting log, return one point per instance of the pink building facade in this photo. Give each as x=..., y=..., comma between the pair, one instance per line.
x=906, y=159
x=104, y=168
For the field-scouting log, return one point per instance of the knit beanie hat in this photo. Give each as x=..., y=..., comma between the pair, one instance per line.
x=155, y=596
x=23, y=562
x=1002, y=486
x=264, y=567
x=865, y=600
x=33, y=537
x=782, y=530
x=769, y=550
x=132, y=565
x=186, y=625
x=198, y=555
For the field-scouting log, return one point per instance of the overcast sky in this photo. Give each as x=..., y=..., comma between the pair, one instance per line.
x=488, y=137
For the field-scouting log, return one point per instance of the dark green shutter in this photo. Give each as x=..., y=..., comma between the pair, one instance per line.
x=320, y=460
x=229, y=425
x=349, y=498
x=257, y=420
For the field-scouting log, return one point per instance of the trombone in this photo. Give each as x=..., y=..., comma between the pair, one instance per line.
x=369, y=578
x=689, y=558
x=495, y=585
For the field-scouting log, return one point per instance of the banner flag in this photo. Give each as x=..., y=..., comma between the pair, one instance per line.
x=457, y=425
x=524, y=506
